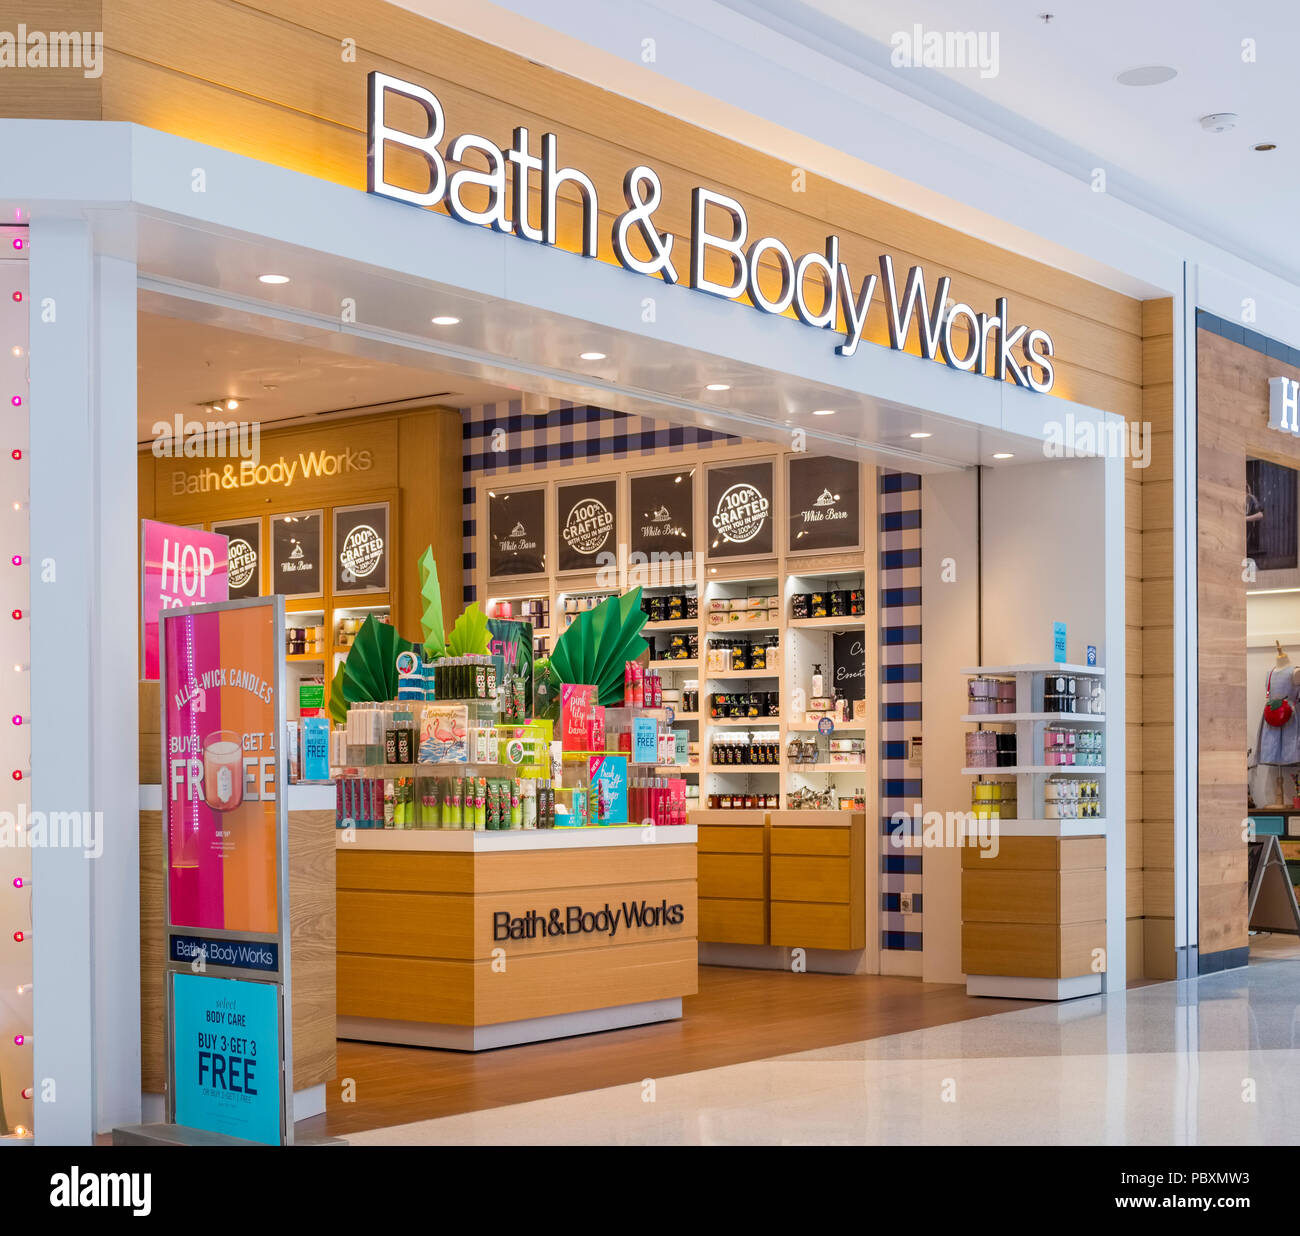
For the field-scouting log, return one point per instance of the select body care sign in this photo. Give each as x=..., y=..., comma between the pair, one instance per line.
x=221, y=766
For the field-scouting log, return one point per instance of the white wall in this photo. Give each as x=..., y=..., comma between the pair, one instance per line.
x=1044, y=560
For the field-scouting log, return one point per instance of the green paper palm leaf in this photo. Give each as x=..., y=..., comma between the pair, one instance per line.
x=370, y=670
x=469, y=636
x=338, y=704
x=594, y=648
x=435, y=645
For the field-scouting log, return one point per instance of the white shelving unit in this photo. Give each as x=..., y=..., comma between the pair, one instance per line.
x=1030, y=720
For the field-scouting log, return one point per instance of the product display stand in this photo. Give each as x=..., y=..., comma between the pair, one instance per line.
x=1034, y=916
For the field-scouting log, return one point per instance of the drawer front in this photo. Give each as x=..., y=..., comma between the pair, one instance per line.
x=726, y=921
x=803, y=877
x=829, y=841
x=714, y=839
x=1030, y=950
x=995, y=896
x=800, y=924
x=731, y=875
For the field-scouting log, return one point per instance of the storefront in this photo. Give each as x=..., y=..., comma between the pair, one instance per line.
x=885, y=557
x=1249, y=629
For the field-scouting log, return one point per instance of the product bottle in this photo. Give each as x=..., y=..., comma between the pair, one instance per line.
x=818, y=682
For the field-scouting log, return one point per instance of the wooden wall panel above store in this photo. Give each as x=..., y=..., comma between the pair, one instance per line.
x=270, y=80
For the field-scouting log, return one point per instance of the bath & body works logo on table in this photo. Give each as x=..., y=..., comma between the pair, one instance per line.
x=575, y=921
x=588, y=525
x=362, y=551
x=741, y=513
x=285, y=471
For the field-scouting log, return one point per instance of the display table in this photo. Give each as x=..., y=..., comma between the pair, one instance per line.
x=475, y=939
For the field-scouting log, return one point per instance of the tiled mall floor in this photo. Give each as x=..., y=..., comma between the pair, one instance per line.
x=1215, y=1061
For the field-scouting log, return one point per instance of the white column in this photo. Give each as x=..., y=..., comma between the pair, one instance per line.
x=85, y=905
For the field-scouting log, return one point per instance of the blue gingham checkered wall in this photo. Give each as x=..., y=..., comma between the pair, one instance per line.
x=900, y=697
x=562, y=437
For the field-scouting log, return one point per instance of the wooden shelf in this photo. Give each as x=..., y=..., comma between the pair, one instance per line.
x=1080, y=770
x=744, y=769
x=670, y=663
x=845, y=623
x=318, y=657
x=1039, y=667
x=741, y=675
x=671, y=624
x=1010, y=718
x=753, y=723
x=826, y=768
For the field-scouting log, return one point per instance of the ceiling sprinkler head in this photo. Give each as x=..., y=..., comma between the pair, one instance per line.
x=1219, y=122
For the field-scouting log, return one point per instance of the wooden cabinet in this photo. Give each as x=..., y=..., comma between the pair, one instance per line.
x=1037, y=909
x=818, y=879
x=733, y=873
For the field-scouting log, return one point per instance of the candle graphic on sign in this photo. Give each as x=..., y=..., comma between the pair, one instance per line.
x=223, y=770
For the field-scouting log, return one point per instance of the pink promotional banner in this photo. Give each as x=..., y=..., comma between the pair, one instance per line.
x=178, y=566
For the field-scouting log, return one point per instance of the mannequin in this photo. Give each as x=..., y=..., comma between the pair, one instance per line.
x=1276, y=757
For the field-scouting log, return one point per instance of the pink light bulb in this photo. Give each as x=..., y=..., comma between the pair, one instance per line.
x=17, y=401
x=19, y=937
x=18, y=881
x=17, y=719
x=19, y=1040
x=18, y=243
x=17, y=559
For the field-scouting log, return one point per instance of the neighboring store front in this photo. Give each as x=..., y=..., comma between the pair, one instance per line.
x=866, y=614
x=1249, y=631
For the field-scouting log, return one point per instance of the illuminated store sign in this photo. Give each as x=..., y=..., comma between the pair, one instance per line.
x=491, y=187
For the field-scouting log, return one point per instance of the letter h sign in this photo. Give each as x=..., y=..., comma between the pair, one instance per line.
x=1284, y=405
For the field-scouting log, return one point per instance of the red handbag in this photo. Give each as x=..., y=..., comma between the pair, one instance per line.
x=1277, y=712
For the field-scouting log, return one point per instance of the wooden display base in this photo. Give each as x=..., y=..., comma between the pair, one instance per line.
x=508, y=1033
x=1033, y=988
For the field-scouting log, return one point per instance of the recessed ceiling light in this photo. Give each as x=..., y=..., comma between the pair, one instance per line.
x=1263, y=146
x=824, y=412
x=1003, y=455
x=273, y=278
x=1147, y=75
x=920, y=434
x=231, y=404
x=717, y=386
x=445, y=319
x=592, y=356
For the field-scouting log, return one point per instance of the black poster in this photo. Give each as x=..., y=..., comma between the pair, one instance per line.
x=1271, y=522
x=824, y=508
x=517, y=532
x=296, y=554
x=663, y=513
x=361, y=548
x=588, y=523
x=850, y=665
x=740, y=510
x=245, y=550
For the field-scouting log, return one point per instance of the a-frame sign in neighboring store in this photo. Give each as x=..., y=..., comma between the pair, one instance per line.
x=226, y=882
x=1273, y=904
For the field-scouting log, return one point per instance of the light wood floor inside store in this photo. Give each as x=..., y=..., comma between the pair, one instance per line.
x=738, y=1015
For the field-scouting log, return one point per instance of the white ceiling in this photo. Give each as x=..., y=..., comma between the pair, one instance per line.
x=184, y=364
x=1055, y=97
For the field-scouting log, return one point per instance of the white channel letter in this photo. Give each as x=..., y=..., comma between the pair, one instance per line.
x=379, y=132
x=733, y=245
x=785, y=261
x=1284, y=405
x=493, y=179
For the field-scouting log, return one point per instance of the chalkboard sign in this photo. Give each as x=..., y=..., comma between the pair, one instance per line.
x=296, y=554
x=663, y=513
x=361, y=548
x=740, y=510
x=849, y=658
x=245, y=551
x=517, y=532
x=825, y=503
x=586, y=515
